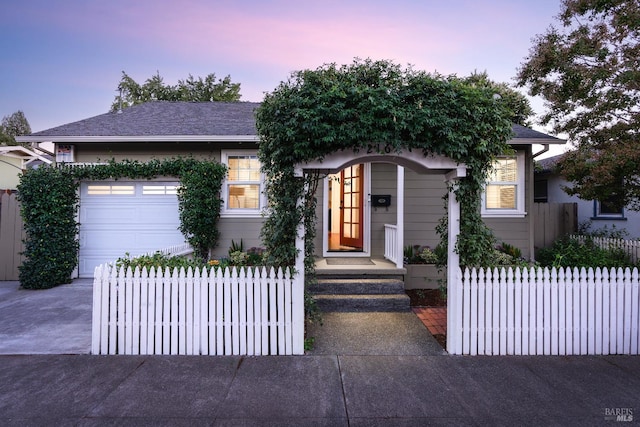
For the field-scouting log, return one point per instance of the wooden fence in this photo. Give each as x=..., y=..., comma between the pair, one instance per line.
x=11, y=236
x=545, y=312
x=630, y=247
x=209, y=312
x=552, y=221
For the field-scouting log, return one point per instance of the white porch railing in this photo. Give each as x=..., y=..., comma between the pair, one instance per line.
x=391, y=243
x=550, y=312
x=231, y=312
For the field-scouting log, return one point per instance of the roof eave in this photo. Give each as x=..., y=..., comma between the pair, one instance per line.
x=140, y=138
x=540, y=141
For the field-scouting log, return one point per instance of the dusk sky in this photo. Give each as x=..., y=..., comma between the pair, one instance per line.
x=62, y=59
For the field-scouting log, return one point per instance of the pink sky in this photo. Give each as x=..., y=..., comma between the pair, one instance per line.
x=62, y=59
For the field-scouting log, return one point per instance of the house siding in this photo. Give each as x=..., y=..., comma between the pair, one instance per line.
x=424, y=207
x=143, y=152
x=383, y=181
x=237, y=229
x=10, y=168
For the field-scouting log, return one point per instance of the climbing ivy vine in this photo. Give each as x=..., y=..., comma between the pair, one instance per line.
x=48, y=197
x=333, y=108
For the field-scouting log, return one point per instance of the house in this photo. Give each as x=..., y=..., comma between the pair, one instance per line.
x=599, y=215
x=362, y=201
x=13, y=160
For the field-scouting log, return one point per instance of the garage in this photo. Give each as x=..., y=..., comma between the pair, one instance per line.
x=119, y=217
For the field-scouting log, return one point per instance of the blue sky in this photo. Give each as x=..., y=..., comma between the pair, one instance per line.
x=62, y=59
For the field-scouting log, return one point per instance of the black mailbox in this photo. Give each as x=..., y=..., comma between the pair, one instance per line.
x=381, y=200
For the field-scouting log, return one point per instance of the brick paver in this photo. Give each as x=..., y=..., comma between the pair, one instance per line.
x=434, y=318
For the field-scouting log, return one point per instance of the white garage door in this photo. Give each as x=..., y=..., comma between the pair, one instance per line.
x=119, y=217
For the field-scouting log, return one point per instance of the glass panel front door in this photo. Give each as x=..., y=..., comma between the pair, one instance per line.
x=346, y=195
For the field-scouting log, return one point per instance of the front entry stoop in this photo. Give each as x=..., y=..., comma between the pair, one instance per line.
x=360, y=295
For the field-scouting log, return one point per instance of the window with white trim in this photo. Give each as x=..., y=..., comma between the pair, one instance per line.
x=504, y=190
x=243, y=188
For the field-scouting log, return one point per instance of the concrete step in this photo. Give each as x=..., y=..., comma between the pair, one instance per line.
x=363, y=303
x=357, y=286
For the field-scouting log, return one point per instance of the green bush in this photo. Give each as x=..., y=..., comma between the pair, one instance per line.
x=48, y=204
x=158, y=260
x=570, y=252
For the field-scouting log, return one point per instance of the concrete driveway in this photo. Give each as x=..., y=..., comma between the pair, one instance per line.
x=48, y=321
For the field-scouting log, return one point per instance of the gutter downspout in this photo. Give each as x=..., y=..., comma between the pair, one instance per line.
x=544, y=150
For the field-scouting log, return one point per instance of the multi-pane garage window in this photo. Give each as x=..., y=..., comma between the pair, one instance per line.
x=504, y=191
x=243, y=186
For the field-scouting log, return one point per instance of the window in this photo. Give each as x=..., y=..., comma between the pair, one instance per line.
x=159, y=190
x=540, y=191
x=242, y=190
x=504, y=191
x=608, y=209
x=111, y=190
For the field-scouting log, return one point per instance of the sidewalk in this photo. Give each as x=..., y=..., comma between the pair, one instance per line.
x=317, y=390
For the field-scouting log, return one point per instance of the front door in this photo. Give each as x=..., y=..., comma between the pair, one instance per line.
x=346, y=209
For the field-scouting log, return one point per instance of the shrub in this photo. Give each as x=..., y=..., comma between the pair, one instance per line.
x=570, y=252
x=416, y=254
x=48, y=206
x=158, y=260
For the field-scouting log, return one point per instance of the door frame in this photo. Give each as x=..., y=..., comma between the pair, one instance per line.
x=366, y=217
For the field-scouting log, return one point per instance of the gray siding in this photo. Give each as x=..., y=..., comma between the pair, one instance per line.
x=424, y=207
x=236, y=229
x=383, y=181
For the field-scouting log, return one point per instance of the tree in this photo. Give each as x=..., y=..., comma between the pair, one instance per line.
x=516, y=102
x=14, y=125
x=588, y=73
x=196, y=90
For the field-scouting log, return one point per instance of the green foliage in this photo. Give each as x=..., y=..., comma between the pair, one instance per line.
x=236, y=247
x=14, y=125
x=200, y=204
x=587, y=70
x=510, y=250
x=48, y=205
x=517, y=103
x=570, y=252
x=416, y=254
x=158, y=260
x=194, y=90
x=316, y=113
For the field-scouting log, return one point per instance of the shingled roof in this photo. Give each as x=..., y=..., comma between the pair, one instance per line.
x=166, y=119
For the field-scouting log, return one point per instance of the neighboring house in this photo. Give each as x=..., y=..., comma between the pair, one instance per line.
x=354, y=204
x=599, y=214
x=13, y=160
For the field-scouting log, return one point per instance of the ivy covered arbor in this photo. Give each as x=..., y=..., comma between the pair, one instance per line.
x=351, y=108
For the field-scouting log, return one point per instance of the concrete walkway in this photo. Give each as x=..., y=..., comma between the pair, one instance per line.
x=366, y=370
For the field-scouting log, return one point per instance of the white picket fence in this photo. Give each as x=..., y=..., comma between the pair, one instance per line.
x=630, y=247
x=246, y=311
x=545, y=312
